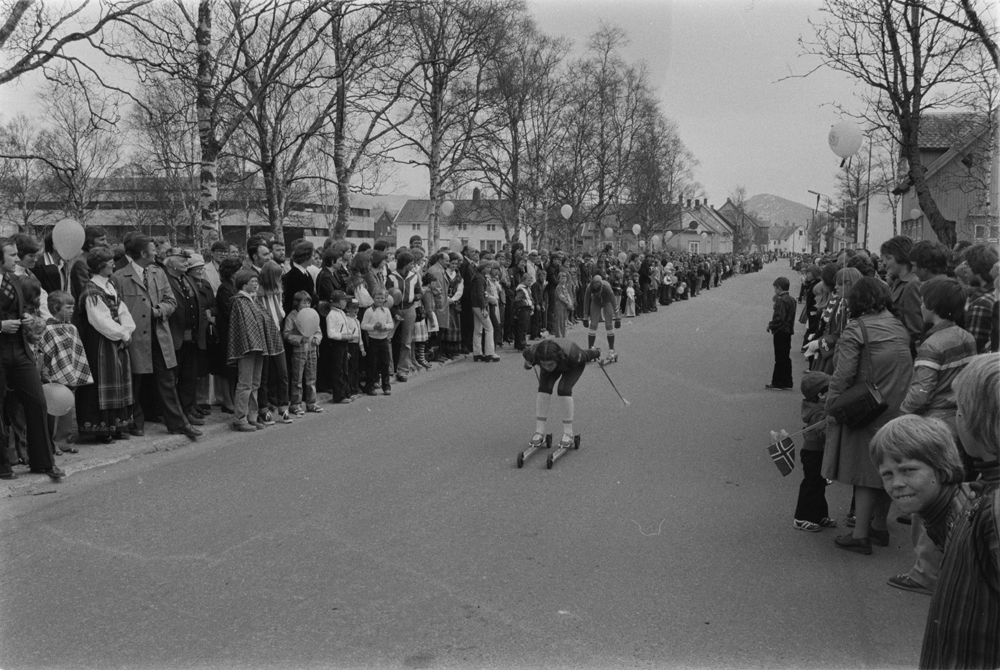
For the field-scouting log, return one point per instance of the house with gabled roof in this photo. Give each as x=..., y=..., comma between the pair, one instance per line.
x=471, y=223
x=788, y=239
x=959, y=150
x=700, y=229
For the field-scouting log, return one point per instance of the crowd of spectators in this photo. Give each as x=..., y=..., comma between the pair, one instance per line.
x=920, y=322
x=145, y=331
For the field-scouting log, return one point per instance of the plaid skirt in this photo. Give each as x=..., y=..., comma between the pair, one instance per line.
x=453, y=333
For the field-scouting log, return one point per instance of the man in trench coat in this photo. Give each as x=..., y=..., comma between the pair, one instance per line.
x=144, y=288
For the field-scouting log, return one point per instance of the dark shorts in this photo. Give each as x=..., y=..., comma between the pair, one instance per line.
x=567, y=379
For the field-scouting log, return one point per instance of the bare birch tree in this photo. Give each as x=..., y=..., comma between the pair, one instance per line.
x=912, y=61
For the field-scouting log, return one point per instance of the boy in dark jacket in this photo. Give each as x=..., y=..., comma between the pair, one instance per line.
x=782, y=326
x=811, y=511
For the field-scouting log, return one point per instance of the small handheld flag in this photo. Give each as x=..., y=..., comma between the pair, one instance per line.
x=782, y=452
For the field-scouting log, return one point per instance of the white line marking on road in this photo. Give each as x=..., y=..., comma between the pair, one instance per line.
x=658, y=530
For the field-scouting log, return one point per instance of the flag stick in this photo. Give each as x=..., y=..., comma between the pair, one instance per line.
x=804, y=430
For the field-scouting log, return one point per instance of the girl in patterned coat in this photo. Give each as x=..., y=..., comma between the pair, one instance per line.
x=62, y=358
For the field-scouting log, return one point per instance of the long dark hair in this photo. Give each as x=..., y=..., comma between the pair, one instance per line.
x=868, y=296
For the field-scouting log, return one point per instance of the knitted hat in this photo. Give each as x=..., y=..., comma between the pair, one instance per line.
x=814, y=383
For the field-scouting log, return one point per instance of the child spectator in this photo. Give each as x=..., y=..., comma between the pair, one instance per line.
x=303, y=358
x=523, y=308
x=62, y=358
x=630, y=298
x=378, y=323
x=811, y=511
x=782, y=325
x=339, y=332
x=246, y=348
x=355, y=348
x=922, y=471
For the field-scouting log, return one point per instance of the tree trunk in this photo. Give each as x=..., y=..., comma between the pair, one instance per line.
x=944, y=229
x=206, y=127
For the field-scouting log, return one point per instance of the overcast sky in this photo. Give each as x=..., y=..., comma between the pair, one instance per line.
x=716, y=66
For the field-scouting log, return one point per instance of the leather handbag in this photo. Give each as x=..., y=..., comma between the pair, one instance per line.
x=862, y=403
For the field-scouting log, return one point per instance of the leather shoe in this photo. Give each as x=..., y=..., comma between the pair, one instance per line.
x=55, y=472
x=8, y=475
x=136, y=432
x=188, y=430
x=195, y=421
x=859, y=545
x=879, y=537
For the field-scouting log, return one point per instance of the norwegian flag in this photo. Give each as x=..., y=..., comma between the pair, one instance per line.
x=782, y=452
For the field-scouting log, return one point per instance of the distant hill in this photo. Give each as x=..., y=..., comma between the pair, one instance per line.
x=778, y=211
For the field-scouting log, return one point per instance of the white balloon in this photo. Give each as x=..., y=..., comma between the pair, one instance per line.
x=566, y=211
x=845, y=139
x=840, y=231
x=668, y=235
x=636, y=229
x=67, y=238
x=704, y=234
x=915, y=213
x=447, y=207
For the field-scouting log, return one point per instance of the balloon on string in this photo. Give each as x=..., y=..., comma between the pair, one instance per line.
x=915, y=213
x=67, y=238
x=308, y=321
x=622, y=257
x=636, y=229
x=396, y=295
x=608, y=233
x=566, y=211
x=388, y=301
x=668, y=235
x=656, y=242
x=704, y=234
x=455, y=244
x=845, y=139
x=447, y=207
x=58, y=399
x=840, y=231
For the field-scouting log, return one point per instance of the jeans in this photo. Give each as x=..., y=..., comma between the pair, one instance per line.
x=247, y=382
x=303, y=375
x=380, y=362
x=273, y=383
x=483, y=326
x=409, y=315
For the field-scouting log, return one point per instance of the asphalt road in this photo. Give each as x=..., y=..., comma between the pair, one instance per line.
x=396, y=532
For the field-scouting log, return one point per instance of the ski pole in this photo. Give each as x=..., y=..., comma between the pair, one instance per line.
x=625, y=403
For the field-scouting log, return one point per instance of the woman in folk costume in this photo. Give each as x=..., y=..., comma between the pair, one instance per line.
x=452, y=335
x=439, y=290
x=563, y=305
x=103, y=409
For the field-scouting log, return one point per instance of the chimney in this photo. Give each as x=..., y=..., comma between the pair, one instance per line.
x=689, y=203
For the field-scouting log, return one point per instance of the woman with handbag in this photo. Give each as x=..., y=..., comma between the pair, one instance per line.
x=869, y=384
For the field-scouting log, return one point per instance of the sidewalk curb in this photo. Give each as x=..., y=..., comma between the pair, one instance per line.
x=96, y=456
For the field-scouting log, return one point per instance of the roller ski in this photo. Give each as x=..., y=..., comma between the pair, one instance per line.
x=612, y=357
x=538, y=441
x=565, y=444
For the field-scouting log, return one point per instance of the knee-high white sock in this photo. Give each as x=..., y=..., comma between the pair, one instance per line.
x=541, y=411
x=567, y=412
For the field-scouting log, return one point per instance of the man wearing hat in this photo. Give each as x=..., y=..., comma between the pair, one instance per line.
x=146, y=291
x=185, y=323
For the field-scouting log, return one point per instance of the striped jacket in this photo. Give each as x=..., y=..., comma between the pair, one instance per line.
x=945, y=352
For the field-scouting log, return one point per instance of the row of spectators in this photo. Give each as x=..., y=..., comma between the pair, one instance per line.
x=926, y=337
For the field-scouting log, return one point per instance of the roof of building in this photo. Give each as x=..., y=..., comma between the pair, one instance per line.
x=943, y=130
x=781, y=233
x=952, y=132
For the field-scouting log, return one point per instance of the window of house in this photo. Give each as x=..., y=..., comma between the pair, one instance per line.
x=415, y=226
x=491, y=227
x=987, y=232
x=693, y=247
